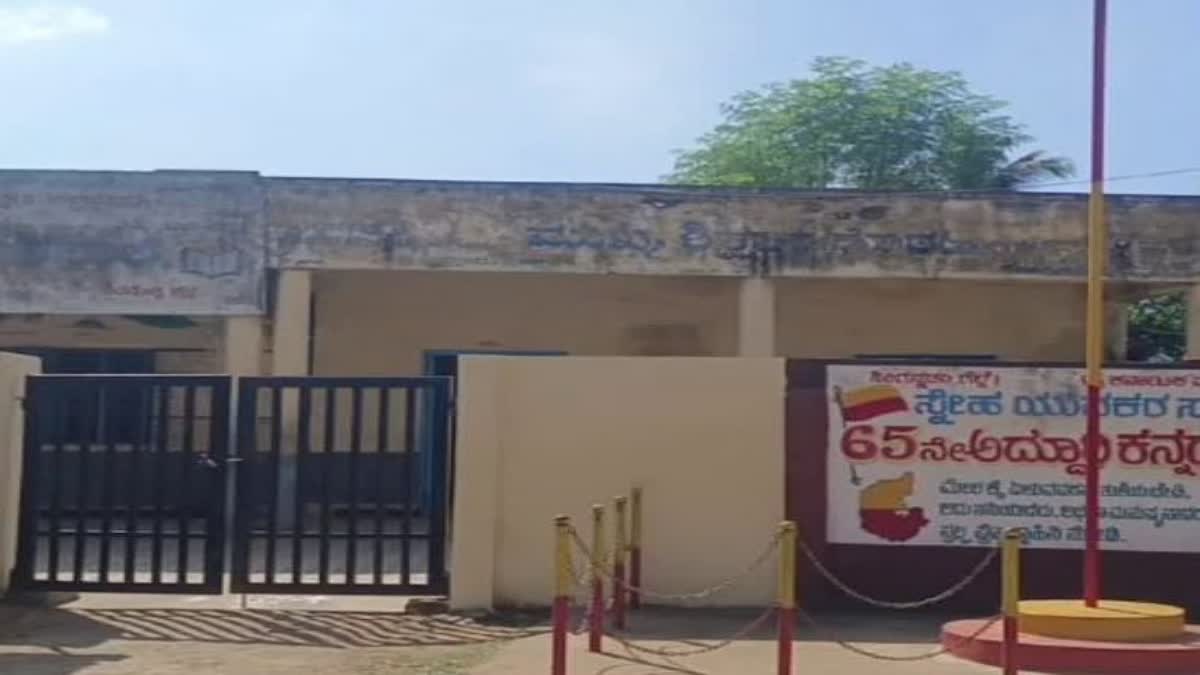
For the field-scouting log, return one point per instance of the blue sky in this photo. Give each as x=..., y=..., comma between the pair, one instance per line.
x=602, y=90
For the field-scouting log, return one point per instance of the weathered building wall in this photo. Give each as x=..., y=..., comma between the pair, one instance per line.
x=199, y=243
x=825, y=318
x=333, y=223
x=130, y=243
x=379, y=323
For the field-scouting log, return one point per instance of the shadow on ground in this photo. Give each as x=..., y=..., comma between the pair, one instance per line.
x=696, y=625
x=51, y=664
x=77, y=628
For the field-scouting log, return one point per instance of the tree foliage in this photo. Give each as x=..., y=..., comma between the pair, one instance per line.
x=1158, y=328
x=856, y=126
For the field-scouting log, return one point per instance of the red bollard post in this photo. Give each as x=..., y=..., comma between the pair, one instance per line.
x=620, y=548
x=635, y=549
x=787, y=595
x=563, y=581
x=1011, y=596
x=596, y=616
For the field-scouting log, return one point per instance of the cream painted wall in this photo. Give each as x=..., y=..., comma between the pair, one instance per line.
x=13, y=370
x=379, y=323
x=375, y=323
x=539, y=437
x=1015, y=321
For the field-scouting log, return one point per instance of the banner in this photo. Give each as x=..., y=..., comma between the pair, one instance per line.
x=954, y=456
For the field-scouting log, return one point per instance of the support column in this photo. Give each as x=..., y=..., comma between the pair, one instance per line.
x=242, y=349
x=290, y=342
x=756, y=317
x=1193, y=323
x=289, y=335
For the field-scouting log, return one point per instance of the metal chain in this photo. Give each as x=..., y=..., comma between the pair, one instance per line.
x=696, y=650
x=912, y=604
x=861, y=651
x=693, y=595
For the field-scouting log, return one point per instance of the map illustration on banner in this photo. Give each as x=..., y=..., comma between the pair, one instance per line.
x=954, y=456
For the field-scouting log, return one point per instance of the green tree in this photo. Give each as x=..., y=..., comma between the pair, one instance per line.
x=1157, y=328
x=855, y=126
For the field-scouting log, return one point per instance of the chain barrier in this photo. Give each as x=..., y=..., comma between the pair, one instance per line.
x=862, y=651
x=591, y=568
x=912, y=604
x=695, y=650
x=692, y=595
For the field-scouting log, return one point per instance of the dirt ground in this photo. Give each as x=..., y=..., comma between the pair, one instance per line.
x=315, y=637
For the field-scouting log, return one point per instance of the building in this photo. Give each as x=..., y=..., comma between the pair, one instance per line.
x=214, y=272
x=185, y=272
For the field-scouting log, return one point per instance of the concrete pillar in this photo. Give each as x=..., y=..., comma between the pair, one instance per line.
x=756, y=317
x=1193, y=323
x=289, y=335
x=1116, y=330
x=242, y=350
x=290, y=356
x=14, y=369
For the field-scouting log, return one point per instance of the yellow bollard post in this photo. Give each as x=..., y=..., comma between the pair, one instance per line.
x=620, y=549
x=1010, y=590
x=564, y=580
x=596, y=616
x=787, y=595
x=635, y=548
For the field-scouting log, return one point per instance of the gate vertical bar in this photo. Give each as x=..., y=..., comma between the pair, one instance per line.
x=161, y=442
x=137, y=453
x=185, y=489
x=328, y=457
x=356, y=403
x=107, y=477
x=59, y=426
x=275, y=468
x=303, y=441
x=380, y=464
x=90, y=422
x=247, y=447
x=410, y=474
x=437, y=510
x=220, y=504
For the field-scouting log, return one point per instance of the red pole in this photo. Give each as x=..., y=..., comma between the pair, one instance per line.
x=787, y=596
x=563, y=581
x=596, y=618
x=1097, y=250
x=620, y=583
x=1010, y=598
x=596, y=615
x=635, y=577
x=635, y=549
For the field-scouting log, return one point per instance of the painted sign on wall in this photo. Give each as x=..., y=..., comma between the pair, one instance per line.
x=138, y=243
x=953, y=456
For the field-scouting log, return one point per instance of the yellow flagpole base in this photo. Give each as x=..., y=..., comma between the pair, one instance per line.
x=1109, y=621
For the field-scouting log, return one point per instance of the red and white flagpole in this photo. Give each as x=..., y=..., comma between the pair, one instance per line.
x=1097, y=254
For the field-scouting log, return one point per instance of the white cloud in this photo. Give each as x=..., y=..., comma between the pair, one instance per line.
x=44, y=23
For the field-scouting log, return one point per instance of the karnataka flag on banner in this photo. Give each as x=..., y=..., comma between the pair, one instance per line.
x=866, y=403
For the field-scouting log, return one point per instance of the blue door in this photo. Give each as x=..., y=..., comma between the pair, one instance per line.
x=444, y=362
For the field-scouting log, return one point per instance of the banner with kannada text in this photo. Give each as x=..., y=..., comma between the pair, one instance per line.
x=954, y=455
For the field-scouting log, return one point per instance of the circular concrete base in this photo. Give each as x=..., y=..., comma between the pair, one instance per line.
x=1108, y=621
x=1035, y=652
